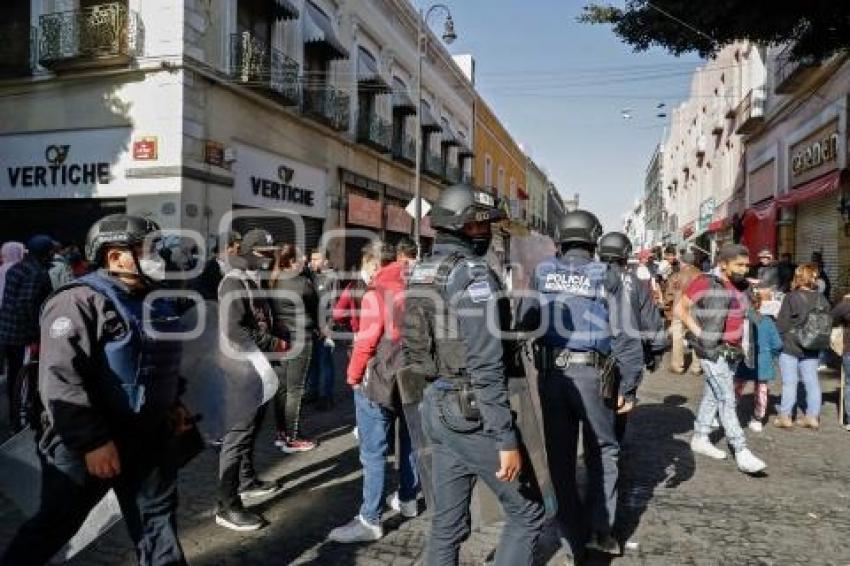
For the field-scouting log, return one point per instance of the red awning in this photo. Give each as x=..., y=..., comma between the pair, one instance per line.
x=760, y=229
x=521, y=194
x=816, y=188
x=719, y=225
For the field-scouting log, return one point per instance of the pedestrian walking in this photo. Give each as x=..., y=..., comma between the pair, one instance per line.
x=758, y=365
x=10, y=254
x=26, y=287
x=294, y=307
x=676, y=286
x=322, y=370
x=805, y=325
x=375, y=360
x=841, y=317
x=109, y=386
x=713, y=310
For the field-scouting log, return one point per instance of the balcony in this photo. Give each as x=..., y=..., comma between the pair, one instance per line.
x=17, y=51
x=750, y=112
x=452, y=174
x=432, y=164
x=257, y=65
x=328, y=106
x=374, y=131
x=404, y=150
x=105, y=35
x=790, y=74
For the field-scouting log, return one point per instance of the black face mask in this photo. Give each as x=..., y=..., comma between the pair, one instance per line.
x=739, y=281
x=480, y=245
x=258, y=263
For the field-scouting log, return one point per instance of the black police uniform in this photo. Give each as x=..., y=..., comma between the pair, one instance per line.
x=104, y=377
x=465, y=411
x=571, y=386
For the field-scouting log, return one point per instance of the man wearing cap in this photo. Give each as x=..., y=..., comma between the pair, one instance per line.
x=27, y=286
x=767, y=272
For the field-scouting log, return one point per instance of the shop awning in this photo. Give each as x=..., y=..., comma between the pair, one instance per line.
x=429, y=124
x=760, y=228
x=449, y=137
x=284, y=10
x=718, y=225
x=319, y=34
x=464, y=152
x=402, y=104
x=521, y=194
x=816, y=188
x=368, y=76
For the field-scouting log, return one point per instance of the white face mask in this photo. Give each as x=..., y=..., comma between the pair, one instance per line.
x=152, y=268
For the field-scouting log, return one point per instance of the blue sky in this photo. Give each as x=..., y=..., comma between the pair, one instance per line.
x=561, y=87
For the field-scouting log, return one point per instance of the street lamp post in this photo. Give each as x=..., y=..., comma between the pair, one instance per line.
x=421, y=47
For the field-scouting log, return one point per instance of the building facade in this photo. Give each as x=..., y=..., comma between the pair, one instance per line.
x=297, y=115
x=537, y=184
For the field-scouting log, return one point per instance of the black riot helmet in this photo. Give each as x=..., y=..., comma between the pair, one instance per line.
x=579, y=227
x=461, y=204
x=117, y=229
x=615, y=246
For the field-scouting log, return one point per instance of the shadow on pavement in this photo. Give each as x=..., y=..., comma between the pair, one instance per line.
x=652, y=458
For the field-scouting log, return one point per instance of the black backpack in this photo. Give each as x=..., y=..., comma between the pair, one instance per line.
x=815, y=330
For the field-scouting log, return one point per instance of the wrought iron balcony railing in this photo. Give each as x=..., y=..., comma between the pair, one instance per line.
x=256, y=64
x=750, y=112
x=432, y=164
x=17, y=49
x=790, y=74
x=327, y=105
x=103, y=35
x=404, y=150
x=374, y=131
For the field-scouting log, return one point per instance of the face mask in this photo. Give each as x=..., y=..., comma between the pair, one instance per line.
x=480, y=245
x=152, y=268
x=258, y=263
x=366, y=276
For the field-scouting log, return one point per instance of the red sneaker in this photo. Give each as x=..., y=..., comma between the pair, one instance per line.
x=293, y=445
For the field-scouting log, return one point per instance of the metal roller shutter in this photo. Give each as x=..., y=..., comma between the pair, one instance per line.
x=817, y=231
x=283, y=228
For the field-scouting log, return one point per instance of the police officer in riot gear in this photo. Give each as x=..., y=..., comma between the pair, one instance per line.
x=642, y=315
x=451, y=338
x=109, y=387
x=579, y=340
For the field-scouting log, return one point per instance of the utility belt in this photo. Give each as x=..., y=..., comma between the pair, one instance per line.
x=552, y=358
x=731, y=353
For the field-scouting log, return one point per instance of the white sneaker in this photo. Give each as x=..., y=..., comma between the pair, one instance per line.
x=407, y=509
x=748, y=463
x=358, y=530
x=701, y=445
x=755, y=425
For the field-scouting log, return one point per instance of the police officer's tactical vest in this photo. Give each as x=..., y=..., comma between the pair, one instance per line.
x=429, y=278
x=144, y=368
x=577, y=304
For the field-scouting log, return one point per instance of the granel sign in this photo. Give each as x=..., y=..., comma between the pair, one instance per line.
x=814, y=154
x=58, y=171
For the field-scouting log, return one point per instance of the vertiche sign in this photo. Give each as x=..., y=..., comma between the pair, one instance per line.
x=270, y=181
x=58, y=168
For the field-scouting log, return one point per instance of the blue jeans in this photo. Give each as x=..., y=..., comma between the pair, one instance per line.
x=718, y=398
x=846, y=361
x=374, y=424
x=793, y=369
x=320, y=378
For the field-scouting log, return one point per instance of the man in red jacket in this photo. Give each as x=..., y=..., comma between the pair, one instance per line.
x=375, y=359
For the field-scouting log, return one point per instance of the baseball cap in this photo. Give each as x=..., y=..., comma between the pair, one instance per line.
x=258, y=240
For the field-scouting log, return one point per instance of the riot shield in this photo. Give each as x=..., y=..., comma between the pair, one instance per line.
x=20, y=481
x=223, y=387
x=411, y=387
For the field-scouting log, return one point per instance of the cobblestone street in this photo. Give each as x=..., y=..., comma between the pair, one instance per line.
x=676, y=509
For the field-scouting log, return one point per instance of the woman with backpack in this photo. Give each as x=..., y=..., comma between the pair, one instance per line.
x=805, y=325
